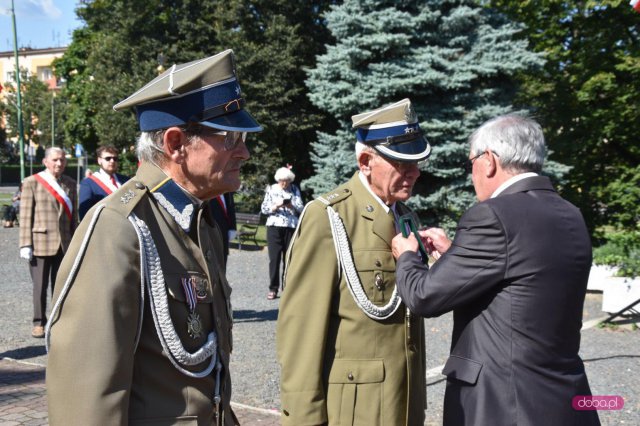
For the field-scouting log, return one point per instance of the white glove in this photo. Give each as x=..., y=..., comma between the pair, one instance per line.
x=26, y=253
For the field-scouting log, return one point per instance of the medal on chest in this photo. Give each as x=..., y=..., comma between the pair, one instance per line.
x=194, y=323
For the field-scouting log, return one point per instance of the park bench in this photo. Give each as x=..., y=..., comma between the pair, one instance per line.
x=247, y=224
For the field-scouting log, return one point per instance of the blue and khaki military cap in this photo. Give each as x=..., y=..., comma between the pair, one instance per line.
x=393, y=131
x=205, y=91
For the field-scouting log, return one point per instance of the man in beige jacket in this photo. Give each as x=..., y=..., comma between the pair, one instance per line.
x=140, y=332
x=48, y=218
x=350, y=350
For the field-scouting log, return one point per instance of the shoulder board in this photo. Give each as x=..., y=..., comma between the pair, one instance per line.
x=335, y=196
x=127, y=197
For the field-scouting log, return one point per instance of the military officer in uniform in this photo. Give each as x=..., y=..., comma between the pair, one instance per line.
x=140, y=332
x=349, y=349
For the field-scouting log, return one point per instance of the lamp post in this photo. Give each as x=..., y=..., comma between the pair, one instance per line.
x=53, y=119
x=19, y=106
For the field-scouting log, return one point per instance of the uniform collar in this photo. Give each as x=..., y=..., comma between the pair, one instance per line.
x=365, y=183
x=177, y=202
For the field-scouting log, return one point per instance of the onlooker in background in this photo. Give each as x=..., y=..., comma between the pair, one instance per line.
x=223, y=210
x=515, y=277
x=103, y=182
x=47, y=222
x=11, y=211
x=350, y=351
x=282, y=204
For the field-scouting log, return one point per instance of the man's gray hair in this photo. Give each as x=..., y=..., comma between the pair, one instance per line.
x=149, y=147
x=52, y=149
x=150, y=144
x=518, y=142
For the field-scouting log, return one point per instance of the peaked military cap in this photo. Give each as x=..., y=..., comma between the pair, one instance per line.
x=393, y=131
x=205, y=91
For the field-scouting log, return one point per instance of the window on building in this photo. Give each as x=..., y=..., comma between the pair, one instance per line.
x=45, y=73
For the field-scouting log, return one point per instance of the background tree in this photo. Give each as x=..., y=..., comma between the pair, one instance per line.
x=124, y=43
x=454, y=59
x=588, y=99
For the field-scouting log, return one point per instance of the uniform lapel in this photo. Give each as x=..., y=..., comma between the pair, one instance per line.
x=383, y=224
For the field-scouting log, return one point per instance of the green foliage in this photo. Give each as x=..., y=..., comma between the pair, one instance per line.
x=126, y=42
x=587, y=97
x=621, y=249
x=454, y=59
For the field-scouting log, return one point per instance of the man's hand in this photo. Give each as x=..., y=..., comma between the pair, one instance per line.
x=26, y=253
x=400, y=244
x=435, y=241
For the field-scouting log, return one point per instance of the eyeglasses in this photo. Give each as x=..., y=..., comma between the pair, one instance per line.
x=468, y=164
x=110, y=158
x=231, y=139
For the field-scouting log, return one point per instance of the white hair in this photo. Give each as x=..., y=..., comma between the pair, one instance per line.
x=517, y=141
x=52, y=149
x=284, y=173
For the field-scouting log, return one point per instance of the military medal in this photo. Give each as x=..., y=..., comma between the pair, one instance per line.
x=201, y=288
x=194, y=324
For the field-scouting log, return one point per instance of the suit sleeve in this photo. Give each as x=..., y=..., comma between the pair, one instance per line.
x=475, y=263
x=303, y=320
x=85, y=199
x=27, y=205
x=93, y=335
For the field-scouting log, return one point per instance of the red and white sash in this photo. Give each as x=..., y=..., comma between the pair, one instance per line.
x=106, y=185
x=47, y=180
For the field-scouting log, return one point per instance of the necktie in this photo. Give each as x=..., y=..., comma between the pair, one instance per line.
x=113, y=181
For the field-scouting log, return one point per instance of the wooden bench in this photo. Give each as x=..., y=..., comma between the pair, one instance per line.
x=247, y=224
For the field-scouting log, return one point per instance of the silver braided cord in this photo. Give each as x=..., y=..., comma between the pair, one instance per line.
x=167, y=335
x=72, y=274
x=345, y=259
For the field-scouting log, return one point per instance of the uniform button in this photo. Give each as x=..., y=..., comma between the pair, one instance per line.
x=139, y=185
x=412, y=347
x=379, y=282
x=285, y=412
x=345, y=190
x=369, y=208
x=350, y=376
x=378, y=263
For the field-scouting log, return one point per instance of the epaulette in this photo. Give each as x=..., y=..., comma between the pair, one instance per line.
x=127, y=197
x=333, y=197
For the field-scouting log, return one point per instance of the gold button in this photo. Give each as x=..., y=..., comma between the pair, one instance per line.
x=350, y=376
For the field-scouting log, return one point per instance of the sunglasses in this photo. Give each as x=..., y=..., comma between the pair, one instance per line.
x=468, y=164
x=110, y=158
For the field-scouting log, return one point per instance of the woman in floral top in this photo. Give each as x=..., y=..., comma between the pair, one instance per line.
x=282, y=204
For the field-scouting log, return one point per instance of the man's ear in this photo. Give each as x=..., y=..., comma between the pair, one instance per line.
x=364, y=162
x=492, y=164
x=173, y=144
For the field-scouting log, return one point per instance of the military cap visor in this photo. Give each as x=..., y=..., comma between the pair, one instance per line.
x=204, y=91
x=403, y=142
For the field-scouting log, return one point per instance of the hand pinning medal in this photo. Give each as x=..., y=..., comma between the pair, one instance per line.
x=194, y=324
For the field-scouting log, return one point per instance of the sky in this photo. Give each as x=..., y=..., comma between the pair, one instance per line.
x=39, y=23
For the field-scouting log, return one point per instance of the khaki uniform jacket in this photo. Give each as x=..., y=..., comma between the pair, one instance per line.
x=44, y=225
x=96, y=375
x=337, y=364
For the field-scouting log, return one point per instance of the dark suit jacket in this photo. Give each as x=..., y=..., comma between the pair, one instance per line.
x=515, y=277
x=225, y=220
x=91, y=193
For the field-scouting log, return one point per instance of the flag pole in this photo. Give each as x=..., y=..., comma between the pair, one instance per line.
x=19, y=105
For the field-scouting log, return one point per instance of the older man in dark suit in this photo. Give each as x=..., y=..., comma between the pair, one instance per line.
x=515, y=277
x=47, y=222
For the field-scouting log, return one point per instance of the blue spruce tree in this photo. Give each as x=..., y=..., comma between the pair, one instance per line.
x=454, y=59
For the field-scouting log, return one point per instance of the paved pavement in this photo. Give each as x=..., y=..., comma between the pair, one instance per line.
x=611, y=354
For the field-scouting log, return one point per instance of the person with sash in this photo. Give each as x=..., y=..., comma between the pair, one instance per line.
x=140, y=330
x=106, y=180
x=47, y=221
x=350, y=351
